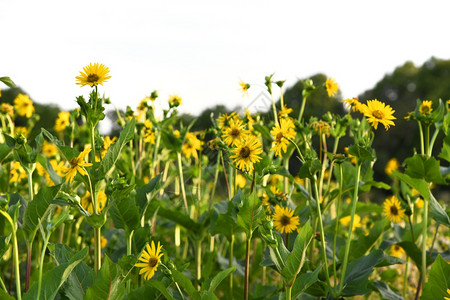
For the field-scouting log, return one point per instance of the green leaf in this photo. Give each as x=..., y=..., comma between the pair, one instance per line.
x=438, y=280
x=304, y=281
x=5, y=296
x=125, y=214
x=310, y=168
x=423, y=167
x=365, y=242
x=186, y=284
x=214, y=283
x=385, y=291
x=54, y=279
x=438, y=213
x=80, y=279
x=37, y=208
x=8, y=81
x=107, y=285
x=173, y=215
x=224, y=218
x=66, y=151
x=361, y=153
x=296, y=258
x=113, y=153
x=264, y=131
x=415, y=253
x=4, y=151
x=250, y=213
x=151, y=289
x=142, y=192
x=445, y=152
x=419, y=184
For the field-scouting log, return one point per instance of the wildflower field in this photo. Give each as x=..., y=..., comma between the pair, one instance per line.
x=254, y=207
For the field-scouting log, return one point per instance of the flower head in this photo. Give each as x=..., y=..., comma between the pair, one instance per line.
x=149, y=133
x=353, y=103
x=62, y=121
x=397, y=251
x=77, y=165
x=88, y=205
x=356, y=221
x=174, y=101
x=284, y=112
x=191, y=145
x=224, y=119
x=234, y=132
x=17, y=173
x=332, y=87
x=425, y=107
x=244, y=87
x=284, y=219
x=149, y=260
x=7, y=109
x=392, y=165
x=49, y=149
x=93, y=75
x=448, y=292
x=393, y=209
x=247, y=153
x=282, y=133
x=24, y=105
x=378, y=112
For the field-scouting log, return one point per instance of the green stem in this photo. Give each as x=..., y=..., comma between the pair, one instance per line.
x=300, y=115
x=29, y=244
x=3, y=285
x=424, y=240
x=275, y=115
x=288, y=292
x=427, y=139
x=336, y=228
x=129, y=242
x=230, y=264
x=97, y=248
x=41, y=264
x=15, y=253
x=405, y=278
x=216, y=177
x=422, y=148
x=247, y=267
x=350, y=228
x=198, y=261
x=183, y=191
x=155, y=154
x=433, y=139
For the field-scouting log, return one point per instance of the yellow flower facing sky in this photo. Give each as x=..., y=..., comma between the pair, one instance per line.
x=24, y=105
x=284, y=219
x=87, y=204
x=392, y=165
x=77, y=165
x=247, y=153
x=62, y=121
x=353, y=103
x=244, y=88
x=332, y=87
x=149, y=260
x=377, y=112
x=234, y=132
x=174, y=101
x=93, y=75
x=425, y=108
x=281, y=133
x=224, y=119
x=284, y=112
x=393, y=209
x=191, y=145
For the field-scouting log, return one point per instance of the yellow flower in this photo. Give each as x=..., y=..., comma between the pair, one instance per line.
x=284, y=219
x=22, y=130
x=425, y=107
x=284, y=112
x=282, y=132
x=392, y=165
x=246, y=153
x=356, y=221
x=419, y=203
x=58, y=167
x=62, y=121
x=150, y=258
x=224, y=119
x=7, y=109
x=241, y=181
x=353, y=158
x=353, y=103
x=244, y=87
x=277, y=193
x=48, y=149
x=191, y=145
x=103, y=241
x=77, y=164
x=332, y=87
x=397, y=251
x=174, y=101
x=87, y=204
x=107, y=142
x=93, y=75
x=393, y=209
x=24, y=105
x=43, y=172
x=234, y=132
x=378, y=112
x=17, y=173
x=448, y=292
x=149, y=135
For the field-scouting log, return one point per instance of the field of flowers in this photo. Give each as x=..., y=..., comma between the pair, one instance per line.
x=162, y=212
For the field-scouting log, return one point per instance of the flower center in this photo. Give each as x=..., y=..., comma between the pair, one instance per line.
x=394, y=210
x=92, y=78
x=279, y=137
x=244, y=152
x=235, y=132
x=152, y=262
x=424, y=109
x=378, y=114
x=74, y=162
x=285, y=220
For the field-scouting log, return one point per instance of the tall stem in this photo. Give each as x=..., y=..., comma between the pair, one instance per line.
x=247, y=267
x=29, y=244
x=336, y=228
x=422, y=147
x=129, y=240
x=97, y=248
x=230, y=263
x=424, y=240
x=183, y=191
x=300, y=115
x=41, y=264
x=198, y=261
x=350, y=228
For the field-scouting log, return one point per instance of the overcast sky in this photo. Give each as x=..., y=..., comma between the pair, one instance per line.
x=200, y=49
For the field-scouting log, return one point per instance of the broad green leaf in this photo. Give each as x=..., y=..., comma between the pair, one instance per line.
x=142, y=192
x=107, y=284
x=423, y=167
x=284, y=252
x=419, y=184
x=250, y=213
x=49, y=168
x=296, y=258
x=385, y=291
x=365, y=242
x=8, y=81
x=5, y=296
x=438, y=280
x=80, y=279
x=211, y=285
x=125, y=214
x=186, y=284
x=37, y=208
x=415, y=253
x=224, y=218
x=151, y=289
x=52, y=280
x=173, y=215
x=304, y=281
x=362, y=153
x=66, y=151
x=310, y=168
x=438, y=213
x=113, y=153
x=4, y=151
x=445, y=152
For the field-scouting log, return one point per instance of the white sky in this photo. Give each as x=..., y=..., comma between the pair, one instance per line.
x=200, y=49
